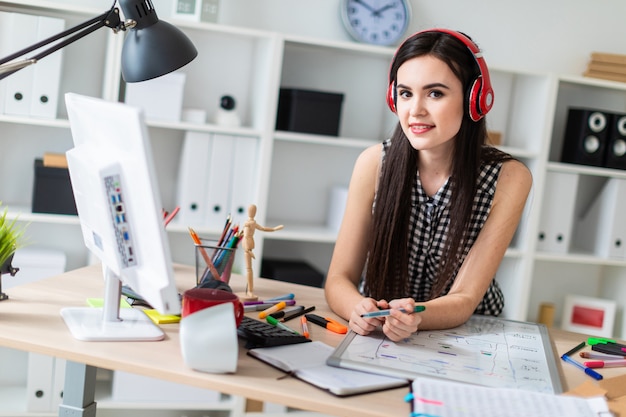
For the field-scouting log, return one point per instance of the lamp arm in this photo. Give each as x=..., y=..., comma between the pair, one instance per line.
x=109, y=19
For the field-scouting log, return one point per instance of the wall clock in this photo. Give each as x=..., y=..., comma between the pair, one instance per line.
x=378, y=22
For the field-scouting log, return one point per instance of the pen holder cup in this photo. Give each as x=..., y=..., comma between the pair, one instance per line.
x=213, y=261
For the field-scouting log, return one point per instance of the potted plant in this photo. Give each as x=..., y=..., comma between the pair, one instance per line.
x=10, y=240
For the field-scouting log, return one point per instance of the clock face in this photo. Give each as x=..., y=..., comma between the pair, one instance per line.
x=379, y=22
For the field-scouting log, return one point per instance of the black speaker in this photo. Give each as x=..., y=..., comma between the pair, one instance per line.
x=616, y=143
x=586, y=136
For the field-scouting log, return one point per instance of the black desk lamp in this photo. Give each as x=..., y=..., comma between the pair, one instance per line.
x=152, y=47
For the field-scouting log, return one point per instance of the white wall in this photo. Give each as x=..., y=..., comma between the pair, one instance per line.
x=542, y=35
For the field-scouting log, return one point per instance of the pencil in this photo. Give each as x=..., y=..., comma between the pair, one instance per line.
x=205, y=255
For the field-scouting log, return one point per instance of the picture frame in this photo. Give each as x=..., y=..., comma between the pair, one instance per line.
x=593, y=316
x=196, y=10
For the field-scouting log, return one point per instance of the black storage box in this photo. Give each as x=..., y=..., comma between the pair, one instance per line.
x=52, y=190
x=309, y=111
x=297, y=272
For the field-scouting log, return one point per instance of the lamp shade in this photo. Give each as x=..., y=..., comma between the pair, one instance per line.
x=153, y=47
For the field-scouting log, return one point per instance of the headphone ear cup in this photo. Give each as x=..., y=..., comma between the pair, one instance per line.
x=391, y=97
x=475, y=112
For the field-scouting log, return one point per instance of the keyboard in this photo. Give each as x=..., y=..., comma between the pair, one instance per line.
x=262, y=334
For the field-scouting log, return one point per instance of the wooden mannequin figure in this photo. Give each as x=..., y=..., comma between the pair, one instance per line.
x=249, y=227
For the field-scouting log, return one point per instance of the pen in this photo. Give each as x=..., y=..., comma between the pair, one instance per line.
x=605, y=364
x=327, y=323
x=593, y=355
x=259, y=302
x=282, y=313
x=272, y=309
x=256, y=307
x=610, y=349
x=297, y=314
x=170, y=216
x=575, y=349
x=305, y=327
x=606, y=345
x=588, y=371
x=205, y=255
x=289, y=296
x=381, y=313
x=271, y=320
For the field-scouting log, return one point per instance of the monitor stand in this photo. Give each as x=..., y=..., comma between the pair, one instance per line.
x=110, y=323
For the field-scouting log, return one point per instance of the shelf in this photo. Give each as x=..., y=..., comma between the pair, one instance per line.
x=585, y=170
x=574, y=257
x=58, y=123
x=12, y=401
x=323, y=140
x=592, y=82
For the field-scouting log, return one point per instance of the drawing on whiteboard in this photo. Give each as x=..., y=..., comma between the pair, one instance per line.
x=485, y=351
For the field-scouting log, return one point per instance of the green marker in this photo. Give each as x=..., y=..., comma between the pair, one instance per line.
x=271, y=320
x=382, y=313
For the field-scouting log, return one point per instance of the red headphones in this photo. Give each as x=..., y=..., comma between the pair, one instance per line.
x=481, y=93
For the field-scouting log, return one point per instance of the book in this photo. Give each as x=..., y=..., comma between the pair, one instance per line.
x=606, y=67
x=608, y=58
x=453, y=399
x=307, y=362
x=605, y=75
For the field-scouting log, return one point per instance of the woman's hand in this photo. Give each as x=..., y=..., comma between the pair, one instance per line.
x=364, y=326
x=399, y=325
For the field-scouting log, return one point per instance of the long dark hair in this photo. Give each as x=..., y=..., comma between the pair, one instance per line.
x=387, y=265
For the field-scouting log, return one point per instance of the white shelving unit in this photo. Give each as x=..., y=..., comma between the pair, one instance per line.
x=295, y=172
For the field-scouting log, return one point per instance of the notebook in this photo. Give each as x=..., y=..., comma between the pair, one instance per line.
x=307, y=362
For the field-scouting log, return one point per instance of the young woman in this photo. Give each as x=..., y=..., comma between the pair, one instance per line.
x=432, y=210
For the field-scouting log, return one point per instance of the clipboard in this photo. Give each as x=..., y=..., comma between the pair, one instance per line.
x=485, y=351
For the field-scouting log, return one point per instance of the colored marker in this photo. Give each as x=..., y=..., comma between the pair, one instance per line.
x=305, y=327
x=605, y=364
x=289, y=316
x=382, y=313
x=327, y=323
x=273, y=309
x=282, y=313
x=271, y=320
x=593, y=355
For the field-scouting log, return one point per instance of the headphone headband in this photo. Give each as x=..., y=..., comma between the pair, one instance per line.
x=481, y=92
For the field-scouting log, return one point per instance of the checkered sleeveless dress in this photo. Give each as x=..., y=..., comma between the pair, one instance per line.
x=429, y=222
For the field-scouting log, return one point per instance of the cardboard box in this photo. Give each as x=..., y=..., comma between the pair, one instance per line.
x=309, y=111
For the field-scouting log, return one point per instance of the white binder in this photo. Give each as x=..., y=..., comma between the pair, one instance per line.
x=58, y=383
x=39, y=382
x=47, y=72
x=22, y=30
x=243, y=176
x=193, y=179
x=5, y=50
x=557, y=212
x=602, y=229
x=220, y=180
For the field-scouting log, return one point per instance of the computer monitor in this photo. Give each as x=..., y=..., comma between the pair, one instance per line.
x=119, y=207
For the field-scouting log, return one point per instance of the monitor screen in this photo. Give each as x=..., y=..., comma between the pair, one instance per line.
x=119, y=207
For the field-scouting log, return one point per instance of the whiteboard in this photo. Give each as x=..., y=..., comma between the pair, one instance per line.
x=486, y=351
